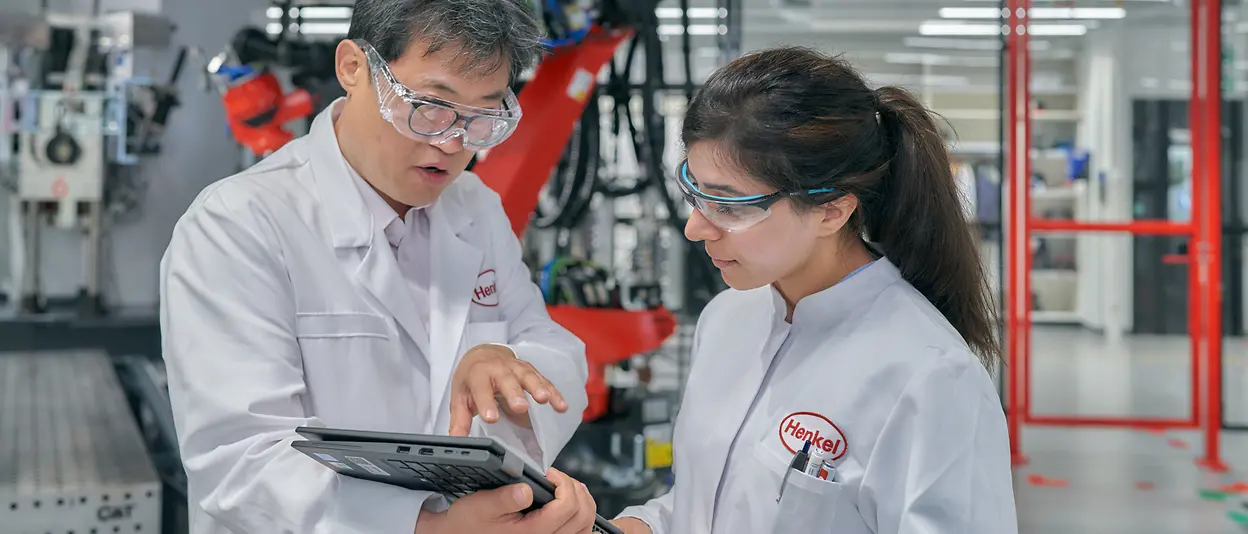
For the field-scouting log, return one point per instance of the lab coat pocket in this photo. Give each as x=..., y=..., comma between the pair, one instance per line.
x=485, y=332
x=340, y=325
x=348, y=355
x=808, y=505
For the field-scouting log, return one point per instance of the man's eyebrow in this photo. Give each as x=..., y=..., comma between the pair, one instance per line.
x=444, y=88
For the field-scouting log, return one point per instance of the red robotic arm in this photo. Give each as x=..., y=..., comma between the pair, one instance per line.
x=518, y=169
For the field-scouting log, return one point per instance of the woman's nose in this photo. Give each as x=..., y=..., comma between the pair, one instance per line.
x=697, y=228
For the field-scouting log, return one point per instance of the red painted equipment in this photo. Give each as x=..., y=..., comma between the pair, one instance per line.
x=256, y=109
x=553, y=101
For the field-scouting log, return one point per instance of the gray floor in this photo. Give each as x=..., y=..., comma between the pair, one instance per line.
x=1109, y=481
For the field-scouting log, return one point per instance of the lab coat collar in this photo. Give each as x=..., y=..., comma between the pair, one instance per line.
x=350, y=221
x=844, y=299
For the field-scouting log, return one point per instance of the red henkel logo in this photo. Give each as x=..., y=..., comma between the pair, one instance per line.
x=800, y=427
x=486, y=293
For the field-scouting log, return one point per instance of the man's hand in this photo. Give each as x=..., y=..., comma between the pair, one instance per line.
x=500, y=511
x=487, y=372
x=632, y=525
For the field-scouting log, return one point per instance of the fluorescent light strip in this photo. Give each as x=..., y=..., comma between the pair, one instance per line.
x=1057, y=29
x=1036, y=13
x=910, y=58
x=964, y=44
x=694, y=29
x=324, y=28
x=694, y=12
x=957, y=28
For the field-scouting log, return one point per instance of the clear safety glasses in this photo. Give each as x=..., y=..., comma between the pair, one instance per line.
x=733, y=214
x=431, y=119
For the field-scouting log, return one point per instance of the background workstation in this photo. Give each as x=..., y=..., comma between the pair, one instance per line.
x=1110, y=201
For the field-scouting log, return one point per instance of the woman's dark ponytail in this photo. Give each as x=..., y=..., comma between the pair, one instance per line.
x=917, y=218
x=797, y=119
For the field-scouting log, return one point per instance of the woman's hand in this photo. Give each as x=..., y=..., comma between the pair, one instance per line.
x=632, y=525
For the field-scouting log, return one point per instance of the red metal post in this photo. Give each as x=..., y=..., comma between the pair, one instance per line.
x=1024, y=82
x=1210, y=253
x=1195, y=323
x=1204, y=232
x=1012, y=242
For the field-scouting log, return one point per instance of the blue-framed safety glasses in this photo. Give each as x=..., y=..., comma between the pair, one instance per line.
x=733, y=214
x=427, y=118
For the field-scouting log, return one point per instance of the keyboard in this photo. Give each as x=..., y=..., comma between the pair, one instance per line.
x=450, y=479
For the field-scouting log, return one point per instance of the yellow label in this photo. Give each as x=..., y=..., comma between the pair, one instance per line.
x=658, y=454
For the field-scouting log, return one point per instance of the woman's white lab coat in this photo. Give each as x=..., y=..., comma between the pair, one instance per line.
x=282, y=305
x=870, y=372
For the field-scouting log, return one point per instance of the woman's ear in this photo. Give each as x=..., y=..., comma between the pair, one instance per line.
x=351, y=66
x=836, y=213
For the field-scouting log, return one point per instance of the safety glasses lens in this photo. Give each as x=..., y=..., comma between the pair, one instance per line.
x=430, y=119
x=433, y=120
x=730, y=217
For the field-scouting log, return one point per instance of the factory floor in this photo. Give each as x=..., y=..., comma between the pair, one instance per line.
x=1111, y=481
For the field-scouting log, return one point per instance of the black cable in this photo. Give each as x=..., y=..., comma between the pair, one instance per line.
x=686, y=48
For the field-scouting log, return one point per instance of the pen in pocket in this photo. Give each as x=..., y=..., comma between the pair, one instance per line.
x=799, y=463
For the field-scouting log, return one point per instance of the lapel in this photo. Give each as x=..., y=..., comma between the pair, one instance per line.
x=454, y=267
x=734, y=394
x=361, y=247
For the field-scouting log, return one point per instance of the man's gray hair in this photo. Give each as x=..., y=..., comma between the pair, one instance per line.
x=487, y=34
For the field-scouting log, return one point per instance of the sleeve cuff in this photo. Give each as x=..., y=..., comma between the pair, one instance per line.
x=372, y=507
x=643, y=514
x=520, y=440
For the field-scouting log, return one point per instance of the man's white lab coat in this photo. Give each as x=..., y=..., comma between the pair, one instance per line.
x=282, y=305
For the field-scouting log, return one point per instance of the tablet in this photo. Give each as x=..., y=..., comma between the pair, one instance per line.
x=450, y=465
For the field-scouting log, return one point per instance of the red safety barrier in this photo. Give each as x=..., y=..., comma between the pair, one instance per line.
x=1203, y=258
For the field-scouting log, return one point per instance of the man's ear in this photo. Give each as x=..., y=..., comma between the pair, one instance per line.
x=351, y=66
x=836, y=214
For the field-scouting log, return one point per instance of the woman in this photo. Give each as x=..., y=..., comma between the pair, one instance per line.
x=858, y=320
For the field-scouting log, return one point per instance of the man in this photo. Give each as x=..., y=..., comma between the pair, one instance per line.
x=359, y=278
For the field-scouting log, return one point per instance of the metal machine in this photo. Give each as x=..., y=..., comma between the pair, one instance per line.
x=85, y=115
x=76, y=460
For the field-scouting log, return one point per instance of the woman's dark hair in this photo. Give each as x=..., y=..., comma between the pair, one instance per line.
x=796, y=119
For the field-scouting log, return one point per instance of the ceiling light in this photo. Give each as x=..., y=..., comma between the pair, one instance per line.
x=1036, y=13
x=965, y=44
x=1057, y=29
x=694, y=29
x=958, y=28
x=909, y=58
x=324, y=28
x=986, y=29
x=325, y=12
x=694, y=12
x=1078, y=13
x=971, y=12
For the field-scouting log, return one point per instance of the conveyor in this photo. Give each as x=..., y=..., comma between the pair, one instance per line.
x=72, y=459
